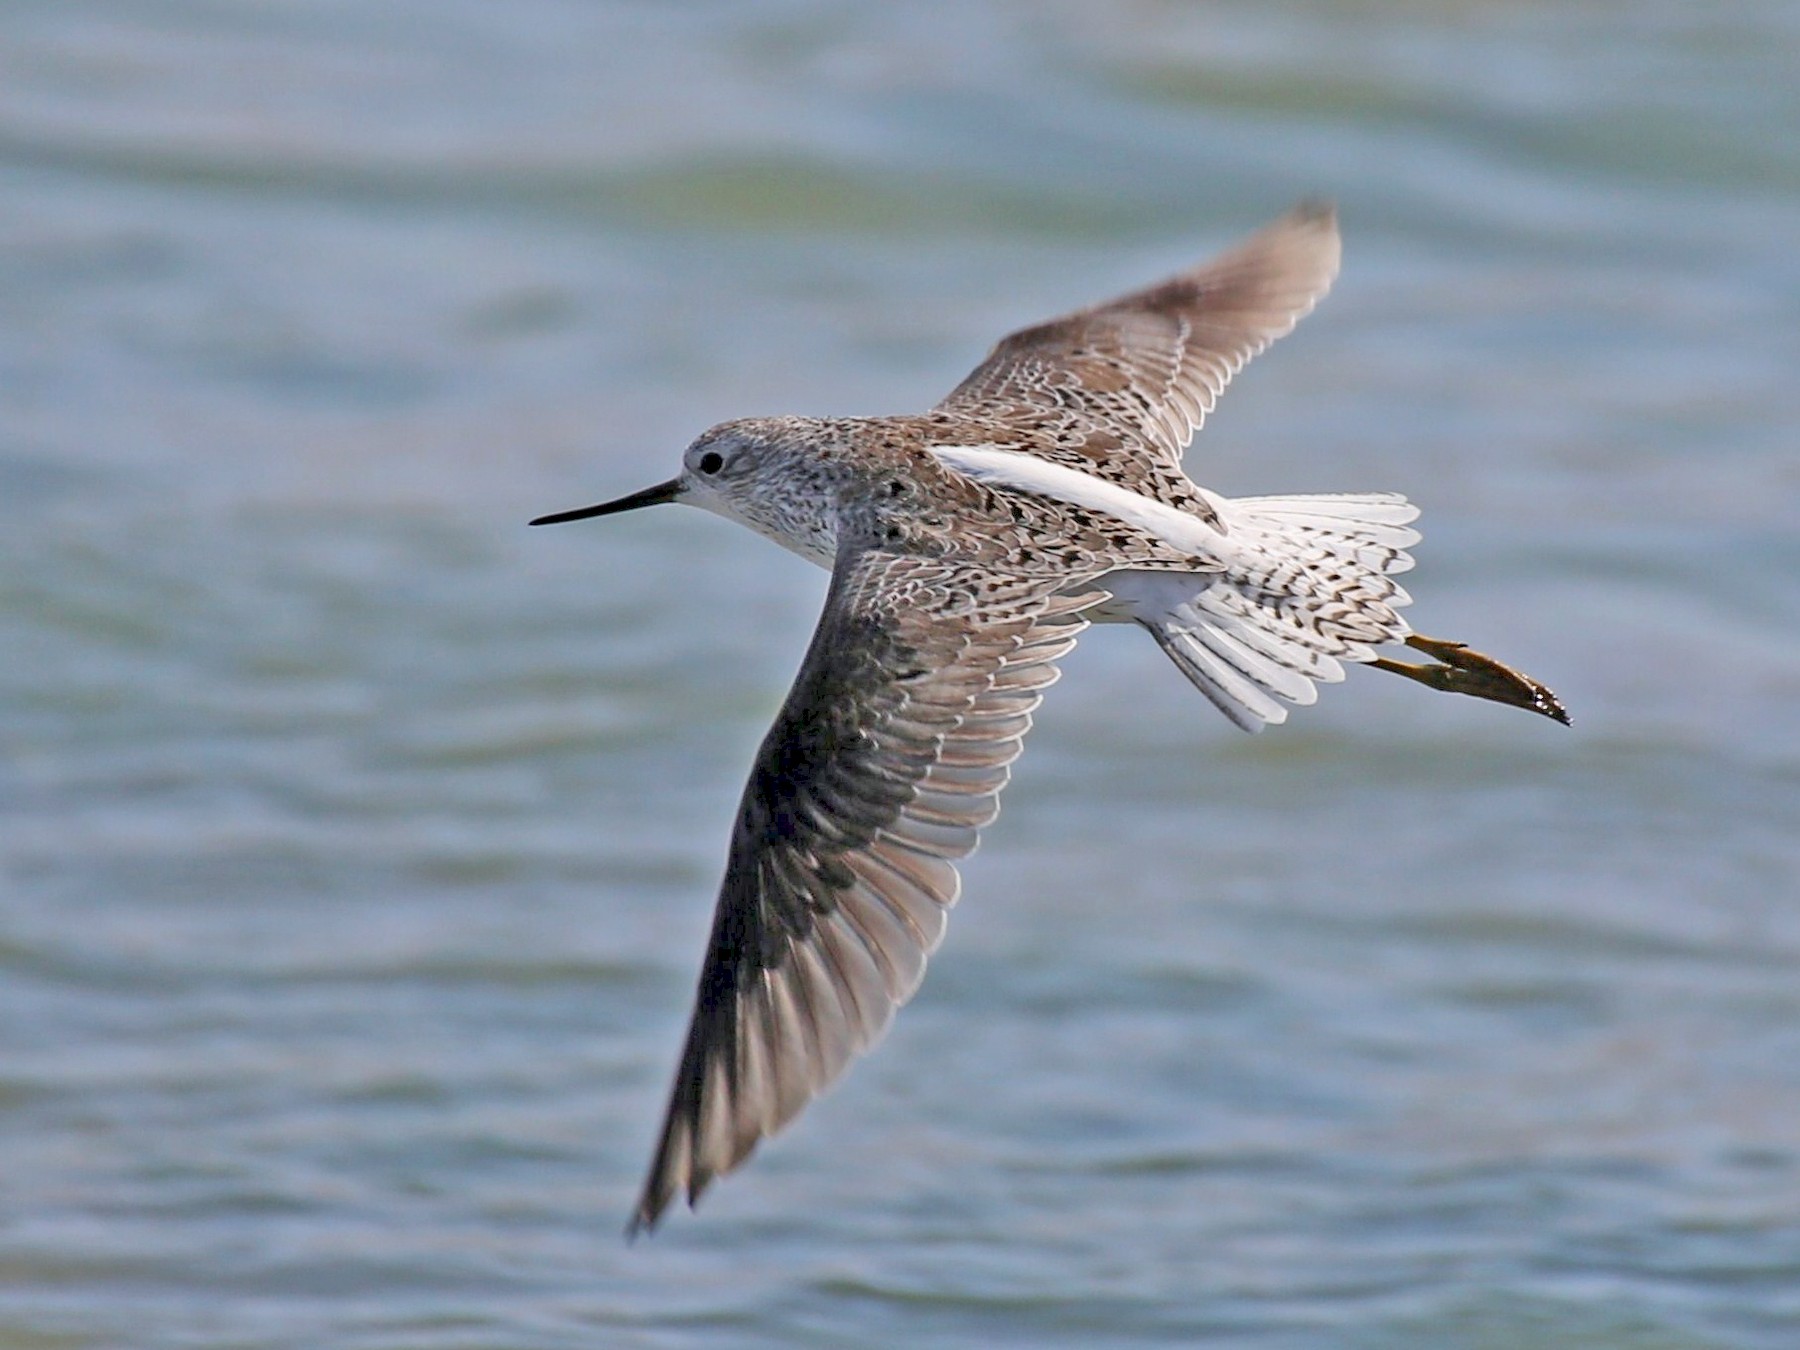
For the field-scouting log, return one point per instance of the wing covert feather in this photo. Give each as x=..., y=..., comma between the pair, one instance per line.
x=1140, y=373
x=886, y=759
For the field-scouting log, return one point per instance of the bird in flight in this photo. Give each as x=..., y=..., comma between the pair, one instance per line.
x=968, y=547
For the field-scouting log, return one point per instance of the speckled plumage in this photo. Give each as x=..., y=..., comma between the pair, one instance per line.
x=969, y=547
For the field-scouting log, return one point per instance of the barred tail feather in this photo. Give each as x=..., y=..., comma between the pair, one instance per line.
x=1307, y=586
x=1371, y=528
x=1237, y=687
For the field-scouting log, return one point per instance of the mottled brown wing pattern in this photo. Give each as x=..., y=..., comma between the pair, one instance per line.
x=884, y=762
x=1140, y=373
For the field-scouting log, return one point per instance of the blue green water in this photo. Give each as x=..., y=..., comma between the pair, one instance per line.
x=357, y=845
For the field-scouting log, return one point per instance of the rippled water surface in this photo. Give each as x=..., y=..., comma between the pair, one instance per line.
x=357, y=845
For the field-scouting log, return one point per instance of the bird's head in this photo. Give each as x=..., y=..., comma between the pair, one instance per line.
x=772, y=474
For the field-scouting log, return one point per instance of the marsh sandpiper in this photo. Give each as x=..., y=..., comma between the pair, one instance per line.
x=968, y=547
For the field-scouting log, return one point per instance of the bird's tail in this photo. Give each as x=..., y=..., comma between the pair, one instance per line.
x=1308, y=584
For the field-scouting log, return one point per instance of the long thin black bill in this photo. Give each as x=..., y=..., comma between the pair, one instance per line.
x=650, y=496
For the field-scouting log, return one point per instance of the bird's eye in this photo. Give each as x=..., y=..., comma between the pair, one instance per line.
x=711, y=462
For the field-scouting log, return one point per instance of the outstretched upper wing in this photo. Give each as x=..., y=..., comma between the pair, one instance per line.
x=886, y=759
x=1143, y=371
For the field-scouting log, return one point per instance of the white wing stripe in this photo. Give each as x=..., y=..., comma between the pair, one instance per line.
x=1028, y=473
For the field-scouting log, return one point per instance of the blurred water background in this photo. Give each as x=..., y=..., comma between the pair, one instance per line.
x=357, y=845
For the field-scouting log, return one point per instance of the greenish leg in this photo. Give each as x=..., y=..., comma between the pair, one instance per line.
x=1459, y=669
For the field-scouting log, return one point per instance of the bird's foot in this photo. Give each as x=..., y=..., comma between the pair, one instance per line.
x=1459, y=669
